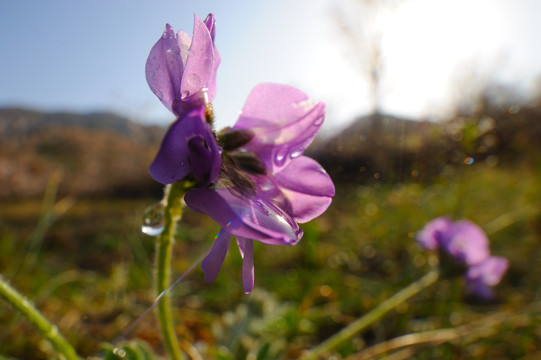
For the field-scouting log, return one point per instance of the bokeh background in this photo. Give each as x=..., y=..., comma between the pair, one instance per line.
x=433, y=109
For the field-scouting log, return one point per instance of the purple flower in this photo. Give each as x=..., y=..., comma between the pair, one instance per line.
x=182, y=73
x=265, y=202
x=468, y=245
x=253, y=178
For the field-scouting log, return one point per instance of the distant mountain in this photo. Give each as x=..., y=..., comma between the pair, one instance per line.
x=95, y=154
x=103, y=154
x=19, y=122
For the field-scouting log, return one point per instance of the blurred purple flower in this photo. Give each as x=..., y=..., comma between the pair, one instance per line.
x=182, y=73
x=467, y=244
x=266, y=200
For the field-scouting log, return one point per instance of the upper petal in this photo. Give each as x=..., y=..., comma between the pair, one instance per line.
x=283, y=120
x=199, y=68
x=466, y=242
x=165, y=65
x=430, y=236
x=307, y=187
x=177, y=151
x=210, y=23
x=245, y=216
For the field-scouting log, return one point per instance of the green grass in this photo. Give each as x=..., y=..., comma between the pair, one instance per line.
x=92, y=274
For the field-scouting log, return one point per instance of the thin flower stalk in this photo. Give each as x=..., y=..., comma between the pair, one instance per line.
x=374, y=315
x=48, y=330
x=164, y=245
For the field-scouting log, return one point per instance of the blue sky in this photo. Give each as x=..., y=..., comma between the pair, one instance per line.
x=90, y=55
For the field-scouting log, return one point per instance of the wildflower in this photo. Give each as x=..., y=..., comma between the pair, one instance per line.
x=467, y=245
x=181, y=72
x=265, y=201
x=252, y=178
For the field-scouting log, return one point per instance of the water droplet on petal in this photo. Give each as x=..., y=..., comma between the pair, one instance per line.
x=280, y=157
x=185, y=93
x=153, y=222
x=262, y=207
x=319, y=121
x=267, y=185
x=296, y=153
x=174, y=49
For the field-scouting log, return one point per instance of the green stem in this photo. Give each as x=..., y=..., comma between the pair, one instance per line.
x=172, y=214
x=48, y=330
x=372, y=316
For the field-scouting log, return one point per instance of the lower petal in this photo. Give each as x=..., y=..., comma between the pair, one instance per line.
x=307, y=187
x=246, y=247
x=213, y=262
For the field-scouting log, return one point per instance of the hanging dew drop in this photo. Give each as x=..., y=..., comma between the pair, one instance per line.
x=153, y=222
x=296, y=153
x=280, y=157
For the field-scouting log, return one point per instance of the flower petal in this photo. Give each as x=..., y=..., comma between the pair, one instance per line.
x=246, y=247
x=431, y=235
x=165, y=65
x=174, y=159
x=213, y=261
x=252, y=218
x=308, y=188
x=481, y=277
x=283, y=120
x=466, y=242
x=200, y=63
x=210, y=23
x=204, y=157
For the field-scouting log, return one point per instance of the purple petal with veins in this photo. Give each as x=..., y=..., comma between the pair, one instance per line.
x=307, y=187
x=200, y=63
x=243, y=216
x=165, y=65
x=284, y=123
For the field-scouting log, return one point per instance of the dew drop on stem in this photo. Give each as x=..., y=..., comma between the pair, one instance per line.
x=153, y=221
